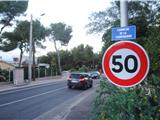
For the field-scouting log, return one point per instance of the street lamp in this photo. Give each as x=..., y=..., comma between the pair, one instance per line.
x=31, y=49
x=30, y=52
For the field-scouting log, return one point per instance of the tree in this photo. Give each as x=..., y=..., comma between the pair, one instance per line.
x=97, y=59
x=73, y=59
x=145, y=15
x=39, y=34
x=82, y=55
x=62, y=33
x=89, y=55
x=66, y=59
x=17, y=38
x=9, y=10
x=20, y=37
x=142, y=101
x=50, y=59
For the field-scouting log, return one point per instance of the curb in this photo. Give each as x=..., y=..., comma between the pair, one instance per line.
x=25, y=85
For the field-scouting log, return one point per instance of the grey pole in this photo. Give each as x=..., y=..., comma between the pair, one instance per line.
x=30, y=53
x=38, y=72
x=9, y=77
x=51, y=71
x=124, y=15
x=124, y=12
x=45, y=72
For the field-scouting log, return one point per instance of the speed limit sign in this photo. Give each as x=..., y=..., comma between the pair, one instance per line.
x=125, y=63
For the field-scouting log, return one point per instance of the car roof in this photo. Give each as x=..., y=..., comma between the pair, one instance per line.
x=93, y=72
x=80, y=73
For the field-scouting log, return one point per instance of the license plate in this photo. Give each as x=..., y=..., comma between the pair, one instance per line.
x=74, y=81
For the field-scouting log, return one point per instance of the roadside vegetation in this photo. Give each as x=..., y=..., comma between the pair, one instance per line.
x=141, y=102
x=80, y=58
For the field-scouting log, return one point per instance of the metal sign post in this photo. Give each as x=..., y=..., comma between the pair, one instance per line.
x=124, y=12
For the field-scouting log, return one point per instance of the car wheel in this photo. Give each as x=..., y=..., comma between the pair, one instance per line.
x=91, y=84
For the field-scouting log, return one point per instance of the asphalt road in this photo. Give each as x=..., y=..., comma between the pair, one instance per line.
x=31, y=102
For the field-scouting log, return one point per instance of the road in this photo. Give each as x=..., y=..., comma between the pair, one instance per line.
x=31, y=102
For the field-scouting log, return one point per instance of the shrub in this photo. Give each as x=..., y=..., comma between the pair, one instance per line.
x=83, y=69
x=139, y=103
x=5, y=74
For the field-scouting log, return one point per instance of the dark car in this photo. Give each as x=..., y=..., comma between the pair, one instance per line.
x=80, y=80
x=94, y=74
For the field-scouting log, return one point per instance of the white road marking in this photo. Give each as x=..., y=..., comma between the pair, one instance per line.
x=27, y=98
x=61, y=111
x=26, y=88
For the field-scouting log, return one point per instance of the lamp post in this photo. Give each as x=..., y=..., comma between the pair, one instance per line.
x=31, y=42
x=30, y=52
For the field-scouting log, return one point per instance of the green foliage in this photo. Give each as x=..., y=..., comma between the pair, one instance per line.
x=143, y=101
x=50, y=59
x=83, y=55
x=139, y=103
x=143, y=14
x=72, y=69
x=4, y=73
x=20, y=37
x=83, y=69
x=9, y=10
x=74, y=59
x=61, y=32
x=66, y=59
x=42, y=71
x=152, y=44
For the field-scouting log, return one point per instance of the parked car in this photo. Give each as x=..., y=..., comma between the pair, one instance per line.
x=2, y=78
x=81, y=80
x=94, y=74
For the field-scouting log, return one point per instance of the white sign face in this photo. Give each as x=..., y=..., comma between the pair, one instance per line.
x=125, y=63
x=130, y=66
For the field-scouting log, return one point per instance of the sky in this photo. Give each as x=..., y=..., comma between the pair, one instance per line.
x=72, y=12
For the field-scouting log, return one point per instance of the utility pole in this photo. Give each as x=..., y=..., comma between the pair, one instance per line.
x=30, y=52
x=124, y=12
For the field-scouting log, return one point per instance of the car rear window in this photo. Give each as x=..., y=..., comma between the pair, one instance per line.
x=76, y=76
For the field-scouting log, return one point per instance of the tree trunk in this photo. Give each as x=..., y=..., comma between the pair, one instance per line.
x=5, y=24
x=58, y=57
x=34, y=66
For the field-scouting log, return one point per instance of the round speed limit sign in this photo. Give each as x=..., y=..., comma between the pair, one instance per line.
x=125, y=63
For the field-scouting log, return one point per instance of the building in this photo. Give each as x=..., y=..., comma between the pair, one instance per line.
x=6, y=66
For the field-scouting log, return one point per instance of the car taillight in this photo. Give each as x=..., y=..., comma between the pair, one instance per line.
x=69, y=78
x=82, y=78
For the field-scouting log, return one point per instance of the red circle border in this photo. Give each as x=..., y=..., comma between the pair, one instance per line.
x=144, y=63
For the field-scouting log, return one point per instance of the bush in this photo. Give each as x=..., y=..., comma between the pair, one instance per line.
x=73, y=70
x=5, y=74
x=139, y=103
x=83, y=69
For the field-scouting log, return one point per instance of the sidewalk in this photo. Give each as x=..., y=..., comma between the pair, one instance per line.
x=9, y=86
x=82, y=111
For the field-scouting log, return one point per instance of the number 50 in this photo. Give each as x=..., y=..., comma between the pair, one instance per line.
x=126, y=66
